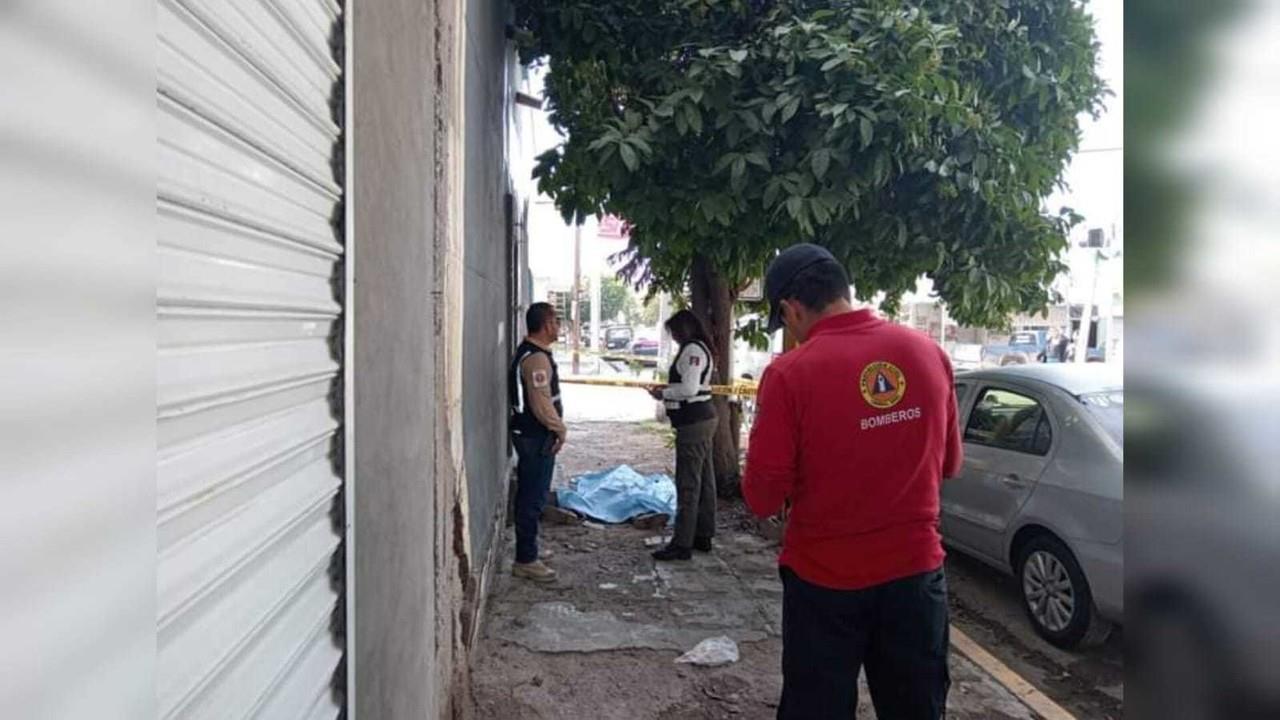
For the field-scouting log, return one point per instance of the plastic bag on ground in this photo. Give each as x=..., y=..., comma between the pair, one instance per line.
x=618, y=494
x=712, y=652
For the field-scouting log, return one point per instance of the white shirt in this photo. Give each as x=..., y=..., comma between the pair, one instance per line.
x=691, y=363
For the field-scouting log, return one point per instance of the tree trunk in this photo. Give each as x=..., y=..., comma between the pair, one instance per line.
x=713, y=303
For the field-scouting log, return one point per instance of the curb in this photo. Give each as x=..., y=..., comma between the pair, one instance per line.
x=1026, y=693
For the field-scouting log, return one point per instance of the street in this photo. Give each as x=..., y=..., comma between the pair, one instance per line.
x=600, y=641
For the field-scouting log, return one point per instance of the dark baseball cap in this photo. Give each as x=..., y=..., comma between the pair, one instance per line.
x=784, y=268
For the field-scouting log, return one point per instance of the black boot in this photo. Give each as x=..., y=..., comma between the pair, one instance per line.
x=702, y=544
x=673, y=552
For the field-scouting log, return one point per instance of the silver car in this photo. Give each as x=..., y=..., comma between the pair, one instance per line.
x=1041, y=494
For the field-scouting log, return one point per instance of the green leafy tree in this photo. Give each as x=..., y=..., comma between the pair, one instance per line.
x=911, y=138
x=616, y=298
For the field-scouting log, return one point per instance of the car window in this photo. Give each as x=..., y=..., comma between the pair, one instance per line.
x=962, y=391
x=1009, y=421
x=1023, y=339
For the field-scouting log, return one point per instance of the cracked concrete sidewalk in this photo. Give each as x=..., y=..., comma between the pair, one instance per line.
x=602, y=640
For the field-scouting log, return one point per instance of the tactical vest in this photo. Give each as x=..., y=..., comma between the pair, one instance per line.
x=695, y=409
x=523, y=421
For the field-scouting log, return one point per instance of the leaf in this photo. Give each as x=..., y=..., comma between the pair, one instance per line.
x=789, y=111
x=821, y=161
x=739, y=169
x=665, y=110
x=708, y=209
x=832, y=64
x=738, y=55
x=724, y=163
x=695, y=119
x=641, y=144
x=880, y=169
x=980, y=165
x=820, y=211
x=629, y=156
x=759, y=159
x=1028, y=73
x=867, y=131
x=771, y=192
x=768, y=111
x=795, y=204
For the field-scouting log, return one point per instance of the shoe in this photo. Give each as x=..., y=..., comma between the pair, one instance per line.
x=702, y=544
x=651, y=521
x=534, y=571
x=553, y=515
x=673, y=552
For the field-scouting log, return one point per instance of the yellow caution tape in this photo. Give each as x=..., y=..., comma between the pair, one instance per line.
x=741, y=389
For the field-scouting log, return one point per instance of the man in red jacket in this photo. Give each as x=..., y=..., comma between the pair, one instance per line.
x=856, y=428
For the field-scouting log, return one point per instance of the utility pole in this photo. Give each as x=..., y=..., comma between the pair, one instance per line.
x=597, y=308
x=1086, y=317
x=942, y=323
x=574, y=309
x=664, y=342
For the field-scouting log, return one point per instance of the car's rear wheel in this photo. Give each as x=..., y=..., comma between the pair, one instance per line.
x=1056, y=595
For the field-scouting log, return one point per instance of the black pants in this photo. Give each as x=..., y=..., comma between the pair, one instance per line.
x=534, y=467
x=898, y=630
x=695, y=483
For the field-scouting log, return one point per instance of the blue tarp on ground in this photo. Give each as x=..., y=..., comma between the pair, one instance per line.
x=618, y=494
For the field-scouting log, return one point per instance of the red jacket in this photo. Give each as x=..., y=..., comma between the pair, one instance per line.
x=857, y=428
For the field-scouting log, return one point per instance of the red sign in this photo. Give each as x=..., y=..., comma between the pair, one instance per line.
x=613, y=227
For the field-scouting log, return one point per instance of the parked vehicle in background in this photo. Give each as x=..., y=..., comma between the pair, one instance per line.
x=618, y=337
x=1023, y=348
x=1041, y=493
x=966, y=356
x=644, y=346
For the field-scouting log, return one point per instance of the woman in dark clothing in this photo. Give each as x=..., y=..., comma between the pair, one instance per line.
x=687, y=398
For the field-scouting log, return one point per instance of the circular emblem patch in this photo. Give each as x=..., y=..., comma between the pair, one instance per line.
x=883, y=385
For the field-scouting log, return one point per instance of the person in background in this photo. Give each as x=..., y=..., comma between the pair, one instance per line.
x=1056, y=349
x=687, y=399
x=538, y=433
x=856, y=428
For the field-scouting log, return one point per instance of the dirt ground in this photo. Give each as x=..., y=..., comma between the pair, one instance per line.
x=602, y=640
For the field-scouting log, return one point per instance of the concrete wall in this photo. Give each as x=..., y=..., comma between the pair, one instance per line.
x=430, y=334
x=393, y=213
x=486, y=254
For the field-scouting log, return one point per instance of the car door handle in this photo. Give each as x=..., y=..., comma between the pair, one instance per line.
x=1013, y=480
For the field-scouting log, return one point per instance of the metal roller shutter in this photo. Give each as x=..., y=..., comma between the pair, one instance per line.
x=249, y=401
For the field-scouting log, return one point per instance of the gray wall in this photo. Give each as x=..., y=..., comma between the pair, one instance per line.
x=395, y=525
x=486, y=257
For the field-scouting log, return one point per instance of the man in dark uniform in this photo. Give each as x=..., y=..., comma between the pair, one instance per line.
x=538, y=432
x=856, y=428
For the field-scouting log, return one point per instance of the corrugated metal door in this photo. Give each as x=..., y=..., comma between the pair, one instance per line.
x=249, y=403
